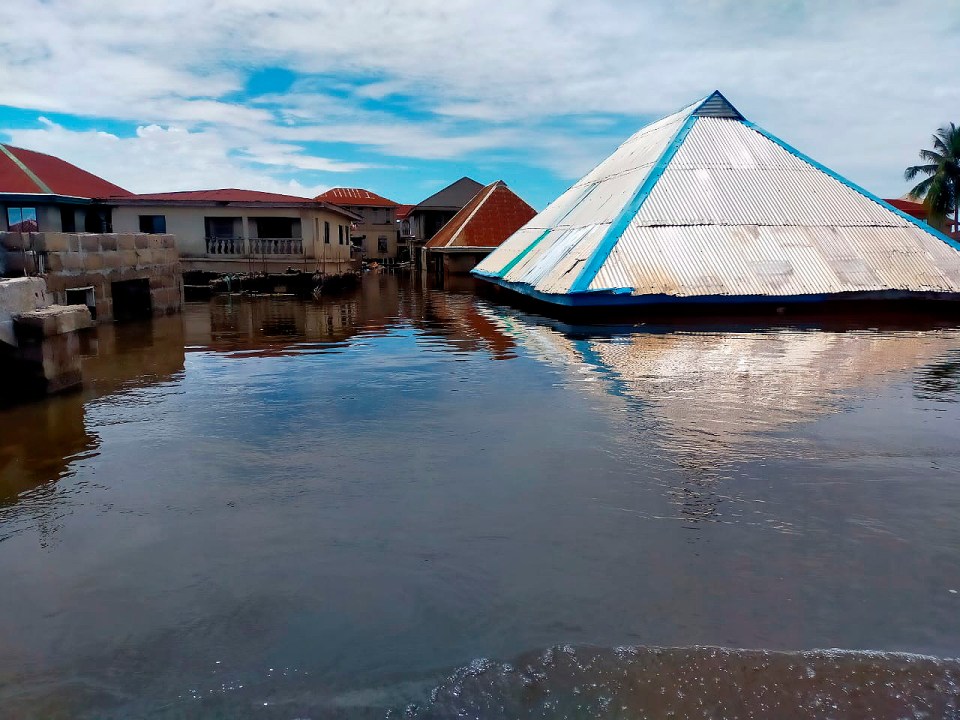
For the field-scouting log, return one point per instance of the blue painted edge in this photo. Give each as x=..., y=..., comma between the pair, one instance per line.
x=600, y=254
x=502, y=272
x=609, y=299
x=853, y=186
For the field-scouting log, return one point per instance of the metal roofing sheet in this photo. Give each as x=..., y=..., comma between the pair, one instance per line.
x=688, y=261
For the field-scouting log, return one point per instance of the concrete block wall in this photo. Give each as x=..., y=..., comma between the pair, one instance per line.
x=79, y=260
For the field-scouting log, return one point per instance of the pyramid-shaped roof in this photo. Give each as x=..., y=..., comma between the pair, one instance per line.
x=30, y=172
x=494, y=214
x=705, y=205
x=453, y=197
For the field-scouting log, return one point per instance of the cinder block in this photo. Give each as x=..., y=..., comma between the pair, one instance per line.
x=54, y=262
x=142, y=242
x=93, y=261
x=128, y=258
x=112, y=260
x=73, y=242
x=126, y=242
x=90, y=243
x=72, y=261
x=108, y=242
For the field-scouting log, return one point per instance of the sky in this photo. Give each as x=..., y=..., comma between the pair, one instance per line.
x=404, y=97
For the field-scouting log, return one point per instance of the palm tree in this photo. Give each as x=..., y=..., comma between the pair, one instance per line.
x=940, y=189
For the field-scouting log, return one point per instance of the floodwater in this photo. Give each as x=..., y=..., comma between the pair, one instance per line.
x=408, y=502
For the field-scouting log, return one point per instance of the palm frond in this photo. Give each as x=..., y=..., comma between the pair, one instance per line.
x=921, y=188
x=911, y=172
x=931, y=156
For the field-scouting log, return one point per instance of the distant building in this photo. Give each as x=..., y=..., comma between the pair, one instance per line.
x=376, y=232
x=234, y=230
x=427, y=217
x=493, y=215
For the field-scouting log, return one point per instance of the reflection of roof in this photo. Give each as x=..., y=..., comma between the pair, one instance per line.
x=452, y=197
x=354, y=196
x=228, y=196
x=26, y=171
x=718, y=395
x=705, y=205
x=493, y=215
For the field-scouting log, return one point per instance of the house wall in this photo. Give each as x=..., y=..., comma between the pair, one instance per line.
x=188, y=225
x=377, y=222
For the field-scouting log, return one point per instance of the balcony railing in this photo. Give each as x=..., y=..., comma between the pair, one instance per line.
x=224, y=246
x=276, y=246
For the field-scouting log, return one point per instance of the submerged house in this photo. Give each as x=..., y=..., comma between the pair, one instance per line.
x=426, y=218
x=493, y=215
x=705, y=207
x=231, y=230
x=375, y=233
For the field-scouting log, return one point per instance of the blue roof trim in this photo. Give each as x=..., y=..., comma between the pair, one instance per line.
x=600, y=254
x=614, y=299
x=853, y=186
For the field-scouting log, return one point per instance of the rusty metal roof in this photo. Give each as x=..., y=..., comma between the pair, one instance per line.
x=356, y=197
x=29, y=172
x=705, y=204
x=494, y=214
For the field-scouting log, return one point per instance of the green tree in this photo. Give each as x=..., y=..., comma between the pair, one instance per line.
x=940, y=189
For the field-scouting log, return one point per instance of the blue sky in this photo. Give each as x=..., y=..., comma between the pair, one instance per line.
x=404, y=97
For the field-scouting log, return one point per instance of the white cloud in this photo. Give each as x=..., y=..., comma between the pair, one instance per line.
x=846, y=84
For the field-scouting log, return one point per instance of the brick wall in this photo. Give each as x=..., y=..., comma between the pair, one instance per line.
x=78, y=260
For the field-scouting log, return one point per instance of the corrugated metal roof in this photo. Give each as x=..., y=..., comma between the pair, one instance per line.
x=222, y=195
x=721, y=208
x=27, y=171
x=494, y=214
x=359, y=197
x=453, y=197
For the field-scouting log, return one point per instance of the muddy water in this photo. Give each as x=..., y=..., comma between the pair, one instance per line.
x=396, y=501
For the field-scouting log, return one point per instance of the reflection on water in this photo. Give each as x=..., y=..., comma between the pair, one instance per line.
x=275, y=508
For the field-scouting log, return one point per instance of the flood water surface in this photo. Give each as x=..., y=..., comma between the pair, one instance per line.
x=405, y=501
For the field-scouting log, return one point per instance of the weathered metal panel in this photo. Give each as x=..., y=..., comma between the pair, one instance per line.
x=688, y=261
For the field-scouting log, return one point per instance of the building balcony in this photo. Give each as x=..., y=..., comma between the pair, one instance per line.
x=276, y=246
x=238, y=246
x=225, y=246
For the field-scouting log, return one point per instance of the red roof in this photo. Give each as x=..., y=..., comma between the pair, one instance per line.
x=354, y=196
x=403, y=211
x=222, y=195
x=26, y=171
x=494, y=214
x=910, y=207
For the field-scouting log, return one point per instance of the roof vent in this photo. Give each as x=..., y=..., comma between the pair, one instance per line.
x=717, y=106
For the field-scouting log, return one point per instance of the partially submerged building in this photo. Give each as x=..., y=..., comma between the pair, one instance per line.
x=705, y=207
x=426, y=218
x=58, y=225
x=231, y=230
x=375, y=233
x=493, y=215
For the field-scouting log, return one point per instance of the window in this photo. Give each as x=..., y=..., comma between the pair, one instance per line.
x=222, y=227
x=153, y=223
x=68, y=220
x=326, y=233
x=98, y=220
x=340, y=234
x=382, y=245
x=22, y=219
x=277, y=227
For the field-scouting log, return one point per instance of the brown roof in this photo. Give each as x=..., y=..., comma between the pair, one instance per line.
x=403, y=211
x=354, y=196
x=494, y=214
x=26, y=171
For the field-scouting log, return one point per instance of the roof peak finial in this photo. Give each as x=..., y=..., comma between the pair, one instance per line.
x=717, y=106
